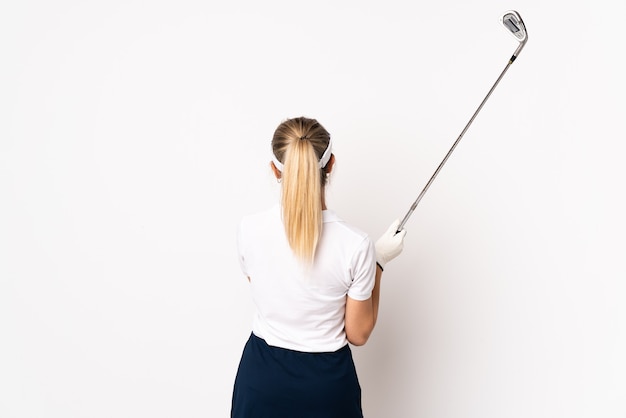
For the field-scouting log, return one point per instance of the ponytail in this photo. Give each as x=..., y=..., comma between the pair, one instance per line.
x=302, y=200
x=299, y=143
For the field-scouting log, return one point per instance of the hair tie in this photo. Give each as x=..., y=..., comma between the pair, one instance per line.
x=322, y=161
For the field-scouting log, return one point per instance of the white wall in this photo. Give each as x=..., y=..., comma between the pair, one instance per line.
x=134, y=135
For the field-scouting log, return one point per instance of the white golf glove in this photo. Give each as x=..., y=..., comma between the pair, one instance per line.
x=390, y=244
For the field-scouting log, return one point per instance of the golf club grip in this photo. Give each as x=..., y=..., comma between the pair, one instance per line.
x=406, y=218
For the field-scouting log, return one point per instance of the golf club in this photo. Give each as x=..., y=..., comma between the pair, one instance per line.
x=513, y=22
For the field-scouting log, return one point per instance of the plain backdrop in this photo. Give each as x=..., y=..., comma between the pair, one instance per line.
x=134, y=135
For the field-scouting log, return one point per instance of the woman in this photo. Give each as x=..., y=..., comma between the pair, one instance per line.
x=315, y=281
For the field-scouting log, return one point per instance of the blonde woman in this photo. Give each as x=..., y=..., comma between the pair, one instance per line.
x=315, y=281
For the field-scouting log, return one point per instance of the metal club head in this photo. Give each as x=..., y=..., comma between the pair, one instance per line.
x=513, y=22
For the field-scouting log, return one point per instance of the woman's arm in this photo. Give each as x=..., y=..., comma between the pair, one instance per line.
x=361, y=316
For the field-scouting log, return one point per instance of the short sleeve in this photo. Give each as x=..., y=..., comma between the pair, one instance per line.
x=363, y=267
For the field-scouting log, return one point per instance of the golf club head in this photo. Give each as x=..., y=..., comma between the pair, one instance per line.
x=513, y=22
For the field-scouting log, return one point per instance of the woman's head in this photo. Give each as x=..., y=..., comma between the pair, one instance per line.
x=301, y=134
x=302, y=155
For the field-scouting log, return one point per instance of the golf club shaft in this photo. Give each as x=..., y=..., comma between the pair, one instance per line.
x=432, y=178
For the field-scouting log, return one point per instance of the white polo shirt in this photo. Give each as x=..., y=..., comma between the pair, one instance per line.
x=296, y=308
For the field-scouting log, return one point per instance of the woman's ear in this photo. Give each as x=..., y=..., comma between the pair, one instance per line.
x=331, y=163
x=276, y=171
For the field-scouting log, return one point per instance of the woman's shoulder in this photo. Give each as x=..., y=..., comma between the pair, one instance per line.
x=333, y=222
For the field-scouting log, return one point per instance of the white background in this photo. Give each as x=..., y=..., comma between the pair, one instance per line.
x=135, y=134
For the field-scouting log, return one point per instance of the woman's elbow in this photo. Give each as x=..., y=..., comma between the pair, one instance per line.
x=360, y=320
x=357, y=341
x=358, y=338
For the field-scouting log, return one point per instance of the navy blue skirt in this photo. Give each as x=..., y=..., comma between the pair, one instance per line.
x=274, y=382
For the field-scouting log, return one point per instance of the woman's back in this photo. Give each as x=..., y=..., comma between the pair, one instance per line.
x=302, y=307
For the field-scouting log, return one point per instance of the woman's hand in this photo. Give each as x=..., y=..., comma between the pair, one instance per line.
x=390, y=244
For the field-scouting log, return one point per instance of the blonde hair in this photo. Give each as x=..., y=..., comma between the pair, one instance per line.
x=299, y=144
